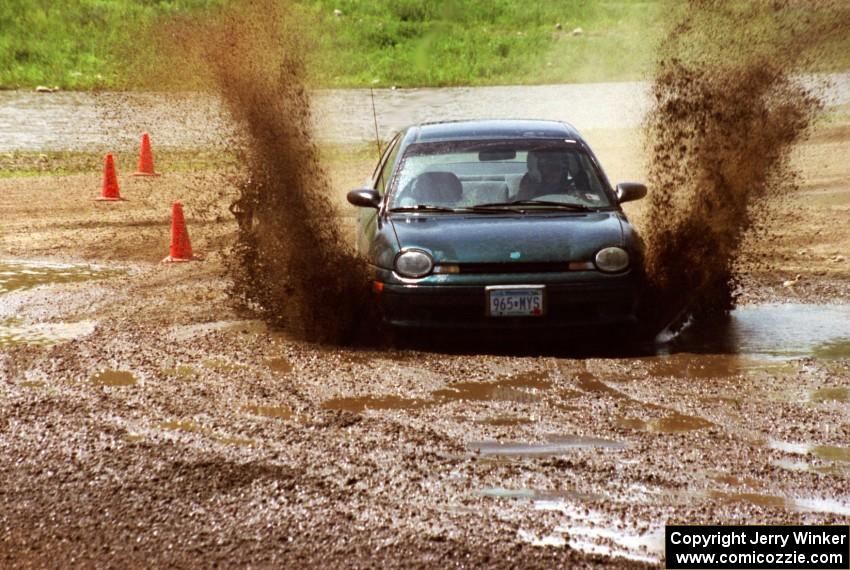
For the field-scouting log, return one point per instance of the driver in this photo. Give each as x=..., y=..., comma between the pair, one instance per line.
x=547, y=174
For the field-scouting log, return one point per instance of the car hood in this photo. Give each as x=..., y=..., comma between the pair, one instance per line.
x=491, y=238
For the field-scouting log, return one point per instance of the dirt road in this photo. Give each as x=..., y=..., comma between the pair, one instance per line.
x=144, y=421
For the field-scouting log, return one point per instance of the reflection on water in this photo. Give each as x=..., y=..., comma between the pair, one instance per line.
x=825, y=452
x=13, y=331
x=830, y=395
x=555, y=445
x=388, y=402
x=773, y=331
x=520, y=388
x=673, y=423
x=113, y=378
x=597, y=532
x=25, y=274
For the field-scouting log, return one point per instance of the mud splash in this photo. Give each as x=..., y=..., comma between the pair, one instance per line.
x=728, y=109
x=291, y=263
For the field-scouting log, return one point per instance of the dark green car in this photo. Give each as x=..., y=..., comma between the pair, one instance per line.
x=498, y=224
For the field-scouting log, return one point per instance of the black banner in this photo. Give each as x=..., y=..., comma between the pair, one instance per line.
x=762, y=546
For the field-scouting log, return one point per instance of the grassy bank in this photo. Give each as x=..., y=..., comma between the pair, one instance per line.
x=84, y=44
x=78, y=44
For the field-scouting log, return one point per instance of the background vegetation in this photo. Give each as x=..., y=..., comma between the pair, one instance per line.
x=81, y=44
x=85, y=44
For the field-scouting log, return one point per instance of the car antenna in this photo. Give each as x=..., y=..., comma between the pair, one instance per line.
x=375, y=119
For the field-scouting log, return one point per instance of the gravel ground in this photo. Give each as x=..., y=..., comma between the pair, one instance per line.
x=227, y=443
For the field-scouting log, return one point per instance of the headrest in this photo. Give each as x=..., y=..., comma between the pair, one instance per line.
x=439, y=187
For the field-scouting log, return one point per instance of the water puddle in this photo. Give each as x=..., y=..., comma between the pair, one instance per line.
x=181, y=372
x=358, y=405
x=113, y=378
x=595, y=532
x=501, y=493
x=554, y=445
x=678, y=423
x=221, y=365
x=830, y=395
x=14, y=332
x=183, y=426
x=278, y=412
x=816, y=505
x=774, y=331
x=32, y=384
x=537, y=494
x=188, y=426
x=279, y=365
x=506, y=421
x=704, y=366
x=831, y=453
x=16, y=275
x=824, y=505
x=733, y=481
x=589, y=383
x=825, y=452
x=519, y=388
x=241, y=441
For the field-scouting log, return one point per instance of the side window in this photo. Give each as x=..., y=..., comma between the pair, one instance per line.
x=386, y=169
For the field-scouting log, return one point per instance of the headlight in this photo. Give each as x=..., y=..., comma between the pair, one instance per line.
x=413, y=263
x=612, y=259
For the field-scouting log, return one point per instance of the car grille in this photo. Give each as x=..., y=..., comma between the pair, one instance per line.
x=516, y=267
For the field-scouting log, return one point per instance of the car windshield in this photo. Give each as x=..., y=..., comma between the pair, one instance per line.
x=489, y=175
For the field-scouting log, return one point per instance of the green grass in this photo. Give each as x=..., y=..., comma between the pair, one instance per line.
x=72, y=43
x=82, y=44
x=479, y=42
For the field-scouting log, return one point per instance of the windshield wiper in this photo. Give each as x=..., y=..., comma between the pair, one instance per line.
x=542, y=203
x=423, y=208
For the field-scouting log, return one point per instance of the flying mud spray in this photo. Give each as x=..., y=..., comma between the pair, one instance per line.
x=728, y=108
x=291, y=261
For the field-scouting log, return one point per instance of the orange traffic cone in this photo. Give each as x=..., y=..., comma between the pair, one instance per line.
x=181, y=248
x=110, y=192
x=146, y=158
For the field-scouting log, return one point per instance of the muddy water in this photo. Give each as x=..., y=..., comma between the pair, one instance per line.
x=73, y=121
x=13, y=331
x=517, y=388
x=18, y=275
x=113, y=378
x=781, y=331
x=555, y=445
x=25, y=274
x=754, y=340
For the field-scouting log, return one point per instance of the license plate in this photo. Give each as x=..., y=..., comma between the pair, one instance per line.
x=515, y=301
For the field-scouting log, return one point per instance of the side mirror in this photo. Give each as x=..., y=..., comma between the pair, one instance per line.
x=628, y=191
x=364, y=198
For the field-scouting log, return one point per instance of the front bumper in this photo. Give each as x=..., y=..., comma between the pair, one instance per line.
x=610, y=302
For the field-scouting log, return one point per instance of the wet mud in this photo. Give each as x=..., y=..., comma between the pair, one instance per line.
x=178, y=429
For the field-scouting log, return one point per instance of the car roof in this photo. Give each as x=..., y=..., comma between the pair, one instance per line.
x=490, y=129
